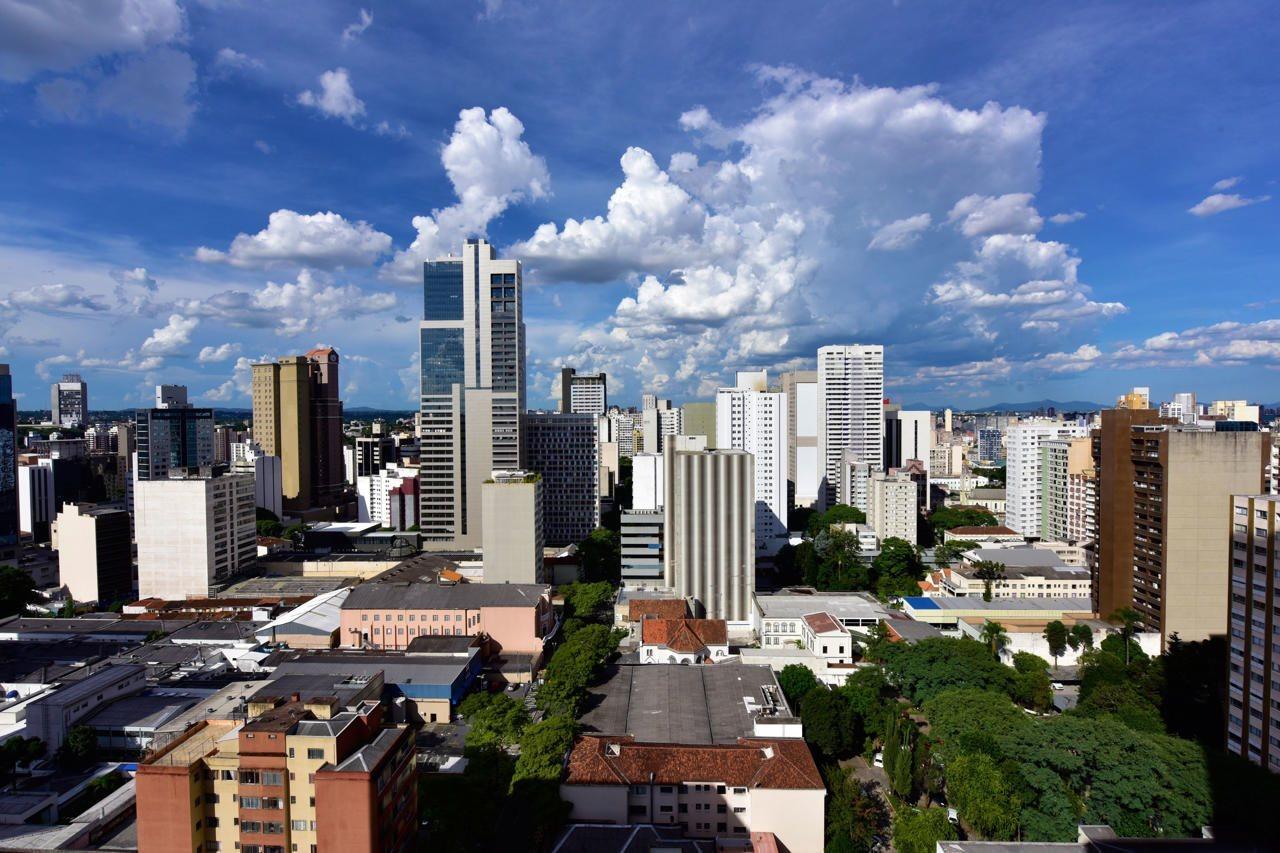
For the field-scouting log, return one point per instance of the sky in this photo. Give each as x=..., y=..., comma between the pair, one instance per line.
x=1020, y=200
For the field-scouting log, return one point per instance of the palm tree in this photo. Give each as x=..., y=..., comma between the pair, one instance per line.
x=1128, y=619
x=988, y=571
x=995, y=636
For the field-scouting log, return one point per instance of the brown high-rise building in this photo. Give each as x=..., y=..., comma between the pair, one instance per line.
x=1164, y=518
x=297, y=416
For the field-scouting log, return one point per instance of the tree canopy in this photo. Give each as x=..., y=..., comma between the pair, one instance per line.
x=925, y=669
x=17, y=591
x=601, y=554
x=796, y=680
x=897, y=569
x=838, y=514
x=920, y=830
x=946, y=518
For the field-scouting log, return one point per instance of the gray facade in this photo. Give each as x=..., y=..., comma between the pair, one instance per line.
x=171, y=438
x=642, y=561
x=69, y=401
x=709, y=532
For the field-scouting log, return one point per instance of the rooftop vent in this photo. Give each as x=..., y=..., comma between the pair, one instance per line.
x=613, y=750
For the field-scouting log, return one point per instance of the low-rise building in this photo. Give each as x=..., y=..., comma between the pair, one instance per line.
x=778, y=617
x=296, y=775
x=725, y=791
x=1027, y=635
x=826, y=638
x=1023, y=573
x=983, y=535
x=683, y=640
x=390, y=615
x=945, y=613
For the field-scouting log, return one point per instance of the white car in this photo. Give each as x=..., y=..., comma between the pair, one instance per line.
x=1056, y=685
x=878, y=760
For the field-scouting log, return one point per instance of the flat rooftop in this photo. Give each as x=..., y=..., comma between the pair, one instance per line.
x=671, y=703
x=793, y=605
x=973, y=604
x=144, y=711
x=198, y=743
x=413, y=668
x=287, y=585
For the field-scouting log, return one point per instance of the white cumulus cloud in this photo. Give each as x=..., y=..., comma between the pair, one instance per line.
x=222, y=352
x=170, y=338
x=1221, y=202
x=1011, y=213
x=336, y=98
x=901, y=234
x=321, y=240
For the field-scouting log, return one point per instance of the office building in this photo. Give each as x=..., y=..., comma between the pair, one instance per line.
x=1138, y=398
x=371, y=454
x=891, y=506
x=223, y=438
x=9, y=503
x=699, y=419
x=583, y=393
x=1253, y=721
x=1274, y=476
x=1235, y=410
x=473, y=388
x=194, y=531
x=749, y=417
x=990, y=446
x=658, y=422
x=1183, y=408
x=513, y=527
x=1163, y=528
x=297, y=416
x=647, y=482
x=389, y=497
x=800, y=387
x=303, y=772
x=1066, y=474
x=36, y=505
x=946, y=460
x=1023, y=475
x=625, y=429
x=907, y=436
x=708, y=533
x=247, y=457
x=641, y=543
x=850, y=404
x=95, y=553
x=173, y=435
x=564, y=450
x=69, y=401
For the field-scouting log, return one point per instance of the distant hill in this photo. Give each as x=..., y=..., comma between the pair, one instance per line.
x=1029, y=406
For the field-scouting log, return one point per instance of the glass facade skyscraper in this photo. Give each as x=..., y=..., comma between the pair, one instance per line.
x=472, y=353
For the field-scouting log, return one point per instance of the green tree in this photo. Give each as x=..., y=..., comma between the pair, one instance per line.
x=840, y=565
x=866, y=694
x=838, y=514
x=855, y=814
x=573, y=666
x=1081, y=637
x=827, y=722
x=796, y=680
x=988, y=571
x=17, y=591
x=80, y=747
x=920, y=830
x=807, y=563
x=589, y=602
x=1055, y=634
x=268, y=527
x=495, y=719
x=898, y=569
x=925, y=669
x=1031, y=684
x=946, y=518
x=946, y=553
x=68, y=609
x=994, y=636
x=983, y=796
x=1125, y=703
x=601, y=554
x=1127, y=618
x=543, y=748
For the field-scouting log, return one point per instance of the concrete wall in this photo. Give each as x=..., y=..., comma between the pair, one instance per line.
x=794, y=816
x=596, y=803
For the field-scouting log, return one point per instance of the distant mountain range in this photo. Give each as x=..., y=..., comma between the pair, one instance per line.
x=1029, y=406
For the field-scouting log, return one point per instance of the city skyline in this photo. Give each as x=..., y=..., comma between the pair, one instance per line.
x=1088, y=218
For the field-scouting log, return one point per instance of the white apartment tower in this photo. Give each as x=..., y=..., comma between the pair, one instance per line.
x=753, y=419
x=473, y=388
x=193, y=532
x=1024, y=471
x=803, y=466
x=658, y=422
x=850, y=412
x=892, y=506
x=583, y=393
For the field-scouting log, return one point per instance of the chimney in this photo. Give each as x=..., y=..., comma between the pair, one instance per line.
x=296, y=697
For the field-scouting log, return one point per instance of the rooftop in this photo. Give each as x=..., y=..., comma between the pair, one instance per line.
x=664, y=703
x=748, y=763
x=313, y=686
x=991, y=530
x=149, y=710
x=684, y=635
x=795, y=604
x=368, y=757
x=229, y=631
x=320, y=615
x=823, y=623
x=198, y=742
x=421, y=595
x=662, y=608
x=976, y=605
x=395, y=668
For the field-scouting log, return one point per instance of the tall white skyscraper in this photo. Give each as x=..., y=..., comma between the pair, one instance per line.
x=850, y=412
x=753, y=419
x=473, y=389
x=908, y=435
x=1024, y=471
x=69, y=401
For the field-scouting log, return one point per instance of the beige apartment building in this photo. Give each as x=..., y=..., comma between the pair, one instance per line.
x=95, y=553
x=512, y=511
x=891, y=508
x=1066, y=475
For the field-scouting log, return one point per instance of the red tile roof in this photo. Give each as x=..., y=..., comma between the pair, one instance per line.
x=662, y=608
x=684, y=635
x=822, y=623
x=750, y=763
x=993, y=530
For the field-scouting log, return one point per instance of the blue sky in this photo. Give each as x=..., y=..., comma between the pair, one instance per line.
x=1021, y=200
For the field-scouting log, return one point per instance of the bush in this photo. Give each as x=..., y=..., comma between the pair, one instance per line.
x=796, y=680
x=920, y=830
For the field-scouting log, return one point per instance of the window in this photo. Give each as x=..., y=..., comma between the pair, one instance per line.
x=639, y=789
x=272, y=803
x=273, y=828
x=291, y=752
x=250, y=826
x=250, y=802
x=298, y=825
x=250, y=777
x=315, y=753
x=272, y=777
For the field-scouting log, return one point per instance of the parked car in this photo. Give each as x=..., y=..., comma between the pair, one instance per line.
x=878, y=760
